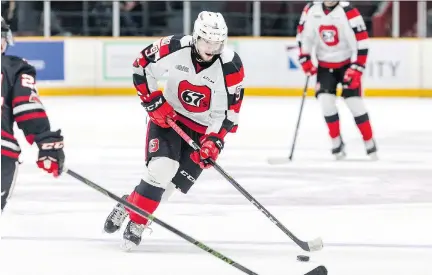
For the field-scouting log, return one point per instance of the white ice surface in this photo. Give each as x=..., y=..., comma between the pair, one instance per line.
x=374, y=217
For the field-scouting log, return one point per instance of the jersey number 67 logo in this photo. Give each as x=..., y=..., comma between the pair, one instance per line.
x=194, y=98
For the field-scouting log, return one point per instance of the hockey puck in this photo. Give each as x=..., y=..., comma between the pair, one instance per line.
x=303, y=258
x=320, y=270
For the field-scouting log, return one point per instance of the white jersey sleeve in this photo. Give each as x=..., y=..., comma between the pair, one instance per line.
x=226, y=120
x=359, y=35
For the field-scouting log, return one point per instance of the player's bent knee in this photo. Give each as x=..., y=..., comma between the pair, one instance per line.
x=162, y=170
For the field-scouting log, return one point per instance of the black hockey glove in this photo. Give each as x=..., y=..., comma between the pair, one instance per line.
x=51, y=156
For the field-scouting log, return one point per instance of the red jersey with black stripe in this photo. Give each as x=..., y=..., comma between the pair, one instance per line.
x=338, y=34
x=206, y=96
x=20, y=104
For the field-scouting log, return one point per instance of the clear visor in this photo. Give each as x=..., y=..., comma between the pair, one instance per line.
x=206, y=47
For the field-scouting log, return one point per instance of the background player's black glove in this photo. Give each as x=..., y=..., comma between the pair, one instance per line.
x=51, y=156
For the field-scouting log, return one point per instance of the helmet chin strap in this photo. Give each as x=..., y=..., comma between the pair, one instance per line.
x=198, y=56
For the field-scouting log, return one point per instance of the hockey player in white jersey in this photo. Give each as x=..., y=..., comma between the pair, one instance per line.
x=203, y=94
x=339, y=36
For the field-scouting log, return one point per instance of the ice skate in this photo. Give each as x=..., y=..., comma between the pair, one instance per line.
x=371, y=149
x=338, y=150
x=116, y=218
x=132, y=235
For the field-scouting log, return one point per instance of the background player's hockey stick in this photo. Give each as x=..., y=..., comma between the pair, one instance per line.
x=283, y=160
x=160, y=222
x=313, y=245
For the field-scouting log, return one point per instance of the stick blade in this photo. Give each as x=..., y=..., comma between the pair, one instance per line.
x=320, y=270
x=316, y=244
x=278, y=161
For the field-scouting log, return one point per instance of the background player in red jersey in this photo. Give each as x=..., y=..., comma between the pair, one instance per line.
x=203, y=94
x=337, y=32
x=21, y=104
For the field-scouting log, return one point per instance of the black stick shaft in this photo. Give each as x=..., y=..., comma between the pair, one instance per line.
x=189, y=140
x=260, y=207
x=160, y=222
x=299, y=118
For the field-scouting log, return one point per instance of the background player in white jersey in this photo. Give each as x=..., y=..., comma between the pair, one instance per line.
x=203, y=94
x=339, y=36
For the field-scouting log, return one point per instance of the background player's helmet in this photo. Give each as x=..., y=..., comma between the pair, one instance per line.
x=6, y=35
x=210, y=34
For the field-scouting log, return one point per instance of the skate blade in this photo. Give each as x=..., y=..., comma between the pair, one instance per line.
x=373, y=156
x=127, y=246
x=340, y=156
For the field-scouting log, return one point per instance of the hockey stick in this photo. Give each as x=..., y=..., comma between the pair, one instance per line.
x=313, y=245
x=160, y=222
x=320, y=270
x=285, y=160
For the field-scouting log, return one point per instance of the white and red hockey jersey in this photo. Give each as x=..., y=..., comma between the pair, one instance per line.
x=339, y=35
x=206, y=99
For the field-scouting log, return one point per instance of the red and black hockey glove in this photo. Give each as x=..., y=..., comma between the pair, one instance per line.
x=158, y=108
x=211, y=146
x=51, y=156
x=307, y=65
x=352, y=77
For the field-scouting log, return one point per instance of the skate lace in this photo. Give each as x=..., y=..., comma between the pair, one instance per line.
x=137, y=229
x=118, y=216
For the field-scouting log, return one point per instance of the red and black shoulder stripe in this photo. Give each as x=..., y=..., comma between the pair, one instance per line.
x=356, y=22
x=160, y=49
x=170, y=44
x=233, y=70
x=360, y=31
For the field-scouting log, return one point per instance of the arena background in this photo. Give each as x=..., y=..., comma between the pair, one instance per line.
x=86, y=47
x=373, y=216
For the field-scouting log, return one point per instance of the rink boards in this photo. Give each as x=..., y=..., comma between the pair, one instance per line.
x=102, y=66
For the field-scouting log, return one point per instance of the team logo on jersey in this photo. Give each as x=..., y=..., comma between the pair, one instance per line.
x=238, y=91
x=153, y=145
x=195, y=99
x=329, y=35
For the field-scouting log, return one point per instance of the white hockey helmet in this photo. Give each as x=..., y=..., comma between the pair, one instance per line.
x=210, y=34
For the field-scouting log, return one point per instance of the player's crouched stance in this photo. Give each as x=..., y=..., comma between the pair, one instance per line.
x=21, y=104
x=337, y=32
x=203, y=95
